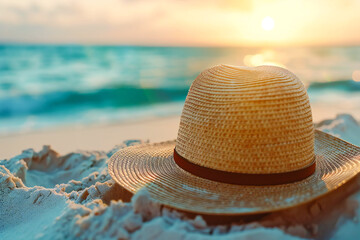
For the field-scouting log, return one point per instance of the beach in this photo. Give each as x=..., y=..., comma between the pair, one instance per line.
x=82, y=82
x=56, y=139
x=49, y=195
x=179, y=120
x=106, y=136
x=100, y=137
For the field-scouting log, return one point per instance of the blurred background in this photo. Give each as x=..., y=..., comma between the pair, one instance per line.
x=79, y=63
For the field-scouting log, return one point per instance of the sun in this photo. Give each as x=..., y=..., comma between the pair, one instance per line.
x=268, y=23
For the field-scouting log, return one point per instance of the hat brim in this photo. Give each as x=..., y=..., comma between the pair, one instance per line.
x=152, y=166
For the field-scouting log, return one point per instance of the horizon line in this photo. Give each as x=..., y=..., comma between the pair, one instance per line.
x=30, y=43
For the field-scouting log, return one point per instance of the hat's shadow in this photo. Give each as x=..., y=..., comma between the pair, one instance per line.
x=315, y=217
x=117, y=193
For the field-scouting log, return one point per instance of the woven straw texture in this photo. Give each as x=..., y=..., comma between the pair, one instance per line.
x=152, y=166
x=247, y=120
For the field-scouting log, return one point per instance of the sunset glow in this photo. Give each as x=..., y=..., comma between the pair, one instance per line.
x=185, y=23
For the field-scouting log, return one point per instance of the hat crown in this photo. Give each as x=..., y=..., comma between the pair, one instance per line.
x=247, y=120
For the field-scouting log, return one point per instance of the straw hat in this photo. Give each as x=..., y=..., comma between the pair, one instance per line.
x=246, y=145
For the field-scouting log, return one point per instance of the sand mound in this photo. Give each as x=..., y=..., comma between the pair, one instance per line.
x=47, y=196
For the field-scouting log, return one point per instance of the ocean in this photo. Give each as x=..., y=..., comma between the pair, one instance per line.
x=49, y=86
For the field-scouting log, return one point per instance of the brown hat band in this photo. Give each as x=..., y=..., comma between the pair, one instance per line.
x=244, y=178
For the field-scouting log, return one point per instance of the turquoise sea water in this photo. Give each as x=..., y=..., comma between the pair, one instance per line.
x=47, y=86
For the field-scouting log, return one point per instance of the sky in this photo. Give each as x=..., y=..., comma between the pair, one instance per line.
x=181, y=23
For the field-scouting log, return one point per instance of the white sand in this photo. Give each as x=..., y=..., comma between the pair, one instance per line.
x=44, y=195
